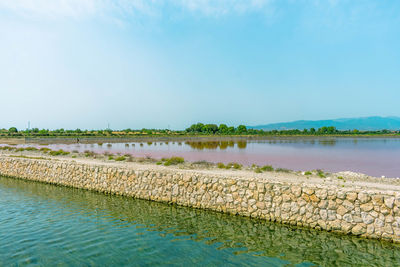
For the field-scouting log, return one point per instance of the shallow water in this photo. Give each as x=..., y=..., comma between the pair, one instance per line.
x=372, y=156
x=47, y=225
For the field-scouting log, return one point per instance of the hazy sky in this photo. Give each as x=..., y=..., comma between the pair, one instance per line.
x=137, y=63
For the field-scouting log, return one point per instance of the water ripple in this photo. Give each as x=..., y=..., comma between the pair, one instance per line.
x=46, y=225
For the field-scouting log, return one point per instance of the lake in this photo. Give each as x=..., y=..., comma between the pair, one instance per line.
x=47, y=225
x=372, y=156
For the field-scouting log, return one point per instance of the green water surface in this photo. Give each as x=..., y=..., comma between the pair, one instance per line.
x=47, y=225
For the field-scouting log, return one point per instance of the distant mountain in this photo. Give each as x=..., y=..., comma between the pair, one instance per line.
x=363, y=124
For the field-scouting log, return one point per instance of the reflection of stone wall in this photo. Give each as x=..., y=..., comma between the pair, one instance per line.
x=296, y=245
x=367, y=213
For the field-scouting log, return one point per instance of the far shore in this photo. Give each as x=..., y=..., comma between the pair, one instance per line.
x=172, y=138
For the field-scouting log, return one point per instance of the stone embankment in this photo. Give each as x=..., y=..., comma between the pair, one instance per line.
x=371, y=211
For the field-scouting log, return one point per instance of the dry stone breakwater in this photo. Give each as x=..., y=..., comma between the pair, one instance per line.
x=371, y=210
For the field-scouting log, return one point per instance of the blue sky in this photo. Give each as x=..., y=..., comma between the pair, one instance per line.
x=86, y=63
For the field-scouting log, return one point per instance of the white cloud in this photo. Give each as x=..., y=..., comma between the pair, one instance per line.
x=86, y=8
x=223, y=7
x=52, y=8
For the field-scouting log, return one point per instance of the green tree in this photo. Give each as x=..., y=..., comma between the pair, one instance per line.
x=223, y=128
x=210, y=128
x=13, y=130
x=241, y=129
x=43, y=132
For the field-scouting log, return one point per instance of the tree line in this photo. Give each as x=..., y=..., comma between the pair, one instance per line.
x=194, y=129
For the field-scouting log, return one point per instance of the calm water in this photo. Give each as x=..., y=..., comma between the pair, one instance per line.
x=373, y=156
x=46, y=225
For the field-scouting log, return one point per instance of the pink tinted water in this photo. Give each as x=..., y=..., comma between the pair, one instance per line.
x=372, y=156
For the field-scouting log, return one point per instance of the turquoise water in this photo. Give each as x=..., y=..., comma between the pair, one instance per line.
x=47, y=225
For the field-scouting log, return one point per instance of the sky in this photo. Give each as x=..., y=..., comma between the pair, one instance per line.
x=167, y=64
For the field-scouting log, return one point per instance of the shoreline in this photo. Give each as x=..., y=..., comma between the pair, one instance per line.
x=354, y=204
x=177, y=138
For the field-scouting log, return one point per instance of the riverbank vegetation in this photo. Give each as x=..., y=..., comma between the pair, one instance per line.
x=198, y=129
x=180, y=162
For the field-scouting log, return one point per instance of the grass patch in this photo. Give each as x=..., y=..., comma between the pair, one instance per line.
x=26, y=157
x=45, y=149
x=221, y=165
x=120, y=158
x=237, y=166
x=89, y=153
x=258, y=170
x=10, y=148
x=58, y=153
x=321, y=174
x=173, y=161
x=234, y=165
x=267, y=168
x=31, y=148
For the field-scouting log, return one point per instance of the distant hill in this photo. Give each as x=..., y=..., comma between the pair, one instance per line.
x=363, y=124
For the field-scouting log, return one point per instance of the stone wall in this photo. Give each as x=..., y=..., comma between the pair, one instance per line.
x=371, y=213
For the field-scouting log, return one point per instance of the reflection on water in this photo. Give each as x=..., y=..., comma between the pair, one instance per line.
x=48, y=225
x=200, y=145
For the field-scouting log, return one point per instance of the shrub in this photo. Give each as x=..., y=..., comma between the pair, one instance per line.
x=75, y=151
x=110, y=157
x=237, y=166
x=73, y=156
x=321, y=173
x=308, y=173
x=258, y=170
x=58, y=153
x=121, y=158
x=45, y=149
x=267, y=168
x=89, y=153
x=31, y=149
x=221, y=165
x=174, y=161
x=159, y=162
x=234, y=165
x=340, y=177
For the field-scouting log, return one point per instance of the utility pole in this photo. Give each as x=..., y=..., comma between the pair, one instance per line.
x=29, y=125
